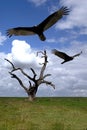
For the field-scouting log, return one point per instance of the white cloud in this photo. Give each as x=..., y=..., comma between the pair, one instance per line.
x=51, y=40
x=22, y=54
x=77, y=16
x=38, y=2
x=70, y=78
x=2, y=38
x=63, y=39
x=59, y=40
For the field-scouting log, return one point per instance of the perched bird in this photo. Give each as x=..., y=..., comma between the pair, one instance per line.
x=40, y=28
x=64, y=55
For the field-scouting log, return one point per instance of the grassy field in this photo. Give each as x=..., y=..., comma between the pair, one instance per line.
x=43, y=114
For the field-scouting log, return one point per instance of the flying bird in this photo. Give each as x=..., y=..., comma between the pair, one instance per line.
x=40, y=28
x=64, y=55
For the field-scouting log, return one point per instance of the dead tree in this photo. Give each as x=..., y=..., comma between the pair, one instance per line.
x=31, y=90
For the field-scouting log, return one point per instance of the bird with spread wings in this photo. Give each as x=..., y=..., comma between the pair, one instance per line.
x=64, y=55
x=40, y=28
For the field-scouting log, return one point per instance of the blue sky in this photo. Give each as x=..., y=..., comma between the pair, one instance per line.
x=68, y=35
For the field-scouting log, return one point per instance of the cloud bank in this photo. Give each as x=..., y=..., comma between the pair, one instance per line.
x=77, y=16
x=70, y=79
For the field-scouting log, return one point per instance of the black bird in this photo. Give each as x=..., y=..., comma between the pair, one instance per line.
x=64, y=55
x=40, y=28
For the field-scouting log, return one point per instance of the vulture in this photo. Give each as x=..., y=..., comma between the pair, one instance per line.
x=40, y=28
x=64, y=55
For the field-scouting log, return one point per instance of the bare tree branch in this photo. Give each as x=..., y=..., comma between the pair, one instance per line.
x=33, y=73
x=25, y=74
x=19, y=80
x=40, y=52
x=46, y=76
x=42, y=76
x=30, y=84
x=15, y=69
x=44, y=64
x=48, y=83
x=11, y=63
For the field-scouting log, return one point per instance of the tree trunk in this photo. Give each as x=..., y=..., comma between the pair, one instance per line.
x=31, y=98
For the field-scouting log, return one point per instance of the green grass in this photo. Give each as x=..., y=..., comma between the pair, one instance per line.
x=43, y=114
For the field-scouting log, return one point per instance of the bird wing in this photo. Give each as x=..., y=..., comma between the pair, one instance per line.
x=21, y=31
x=53, y=18
x=60, y=54
x=77, y=54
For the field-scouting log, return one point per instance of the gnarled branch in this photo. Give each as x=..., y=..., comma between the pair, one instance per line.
x=42, y=76
x=46, y=76
x=19, y=80
x=44, y=64
x=15, y=69
x=48, y=83
x=25, y=74
x=33, y=73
